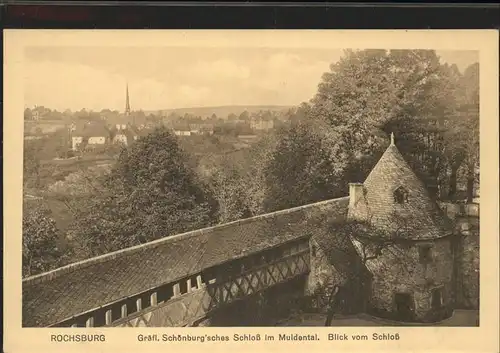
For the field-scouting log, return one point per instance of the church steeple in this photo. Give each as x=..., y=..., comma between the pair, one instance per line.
x=127, y=103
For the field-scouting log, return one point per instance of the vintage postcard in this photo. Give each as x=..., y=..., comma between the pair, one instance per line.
x=251, y=190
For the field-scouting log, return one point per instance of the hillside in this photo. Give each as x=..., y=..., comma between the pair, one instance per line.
x=221, y=111
x=43, y=126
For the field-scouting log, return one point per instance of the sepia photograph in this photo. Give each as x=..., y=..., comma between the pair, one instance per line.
x=180, y=186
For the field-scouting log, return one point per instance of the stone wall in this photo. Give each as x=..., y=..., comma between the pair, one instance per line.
x=469, y=266
x=322, y=277
x=398, y=270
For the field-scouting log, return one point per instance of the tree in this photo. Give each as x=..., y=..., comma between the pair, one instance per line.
x=84, y=182
x=68, y=114
x=27, y=114
x=471, y=136
x=35, y=151
x=253, y=163
x=55, y=115
x=364, y=97
x=150, y=194
x=94, y=116
x=297, y=114
x=230, y=191
x=83, y=114
x=139, y=117
x=40, y=243
x=31, y=165
x=462, y=131
x=52, y=145
x=399, y=91
x=299, y=171
x=244, y=116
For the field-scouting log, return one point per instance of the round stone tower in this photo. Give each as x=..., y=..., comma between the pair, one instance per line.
x=410, y=254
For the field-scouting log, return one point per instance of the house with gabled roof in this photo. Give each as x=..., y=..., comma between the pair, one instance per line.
x=260, y=124
x=201, y=129
x=125, y=135
x=90, y=135
x=182, y=129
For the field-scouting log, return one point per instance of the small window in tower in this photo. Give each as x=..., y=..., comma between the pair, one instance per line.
x=401, y=195
x=425, y=254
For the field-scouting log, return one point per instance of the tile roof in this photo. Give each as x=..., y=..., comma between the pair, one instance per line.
x=117, y=119
x=55, y=296
x=129, y=132
x=420, y=216
x=181, y=126
x=92, y=130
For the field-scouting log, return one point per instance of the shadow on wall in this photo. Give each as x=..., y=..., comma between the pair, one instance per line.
x=262, y=309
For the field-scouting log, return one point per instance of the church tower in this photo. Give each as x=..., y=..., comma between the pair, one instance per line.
x=127, y=103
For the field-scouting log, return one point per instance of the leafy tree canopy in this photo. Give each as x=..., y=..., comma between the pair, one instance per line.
x=151, y=193
x=340, y=134
x=41, y=251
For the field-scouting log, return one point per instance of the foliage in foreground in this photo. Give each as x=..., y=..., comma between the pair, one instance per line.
x=150, y=193
x=41, y=251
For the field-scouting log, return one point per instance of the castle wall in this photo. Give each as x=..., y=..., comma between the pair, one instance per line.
x=399, y=270
x=322, y=273
x=322, y=277
x=468, y=262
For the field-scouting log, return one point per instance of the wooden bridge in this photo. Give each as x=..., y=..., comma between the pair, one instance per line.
x=240, y=280
x=188, y=279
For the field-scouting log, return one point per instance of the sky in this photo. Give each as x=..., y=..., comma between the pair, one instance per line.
x=95, y=78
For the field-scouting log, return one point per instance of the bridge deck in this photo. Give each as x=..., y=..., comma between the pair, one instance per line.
x=190, y=308
x=122, y=277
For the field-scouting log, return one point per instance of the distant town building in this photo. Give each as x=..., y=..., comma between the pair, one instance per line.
x=35, y=114
x=89, y=136
x=182, y=132
x=181, y=129
x=261, y=124
x=125, y=135
x=201, y=129
x=120, y=136
x=76, y=142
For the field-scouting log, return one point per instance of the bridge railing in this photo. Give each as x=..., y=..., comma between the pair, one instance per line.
x=259, y=278
x=189, y=308
x=198, y=294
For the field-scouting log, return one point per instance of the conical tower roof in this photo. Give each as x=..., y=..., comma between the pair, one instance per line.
x=418, y=216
